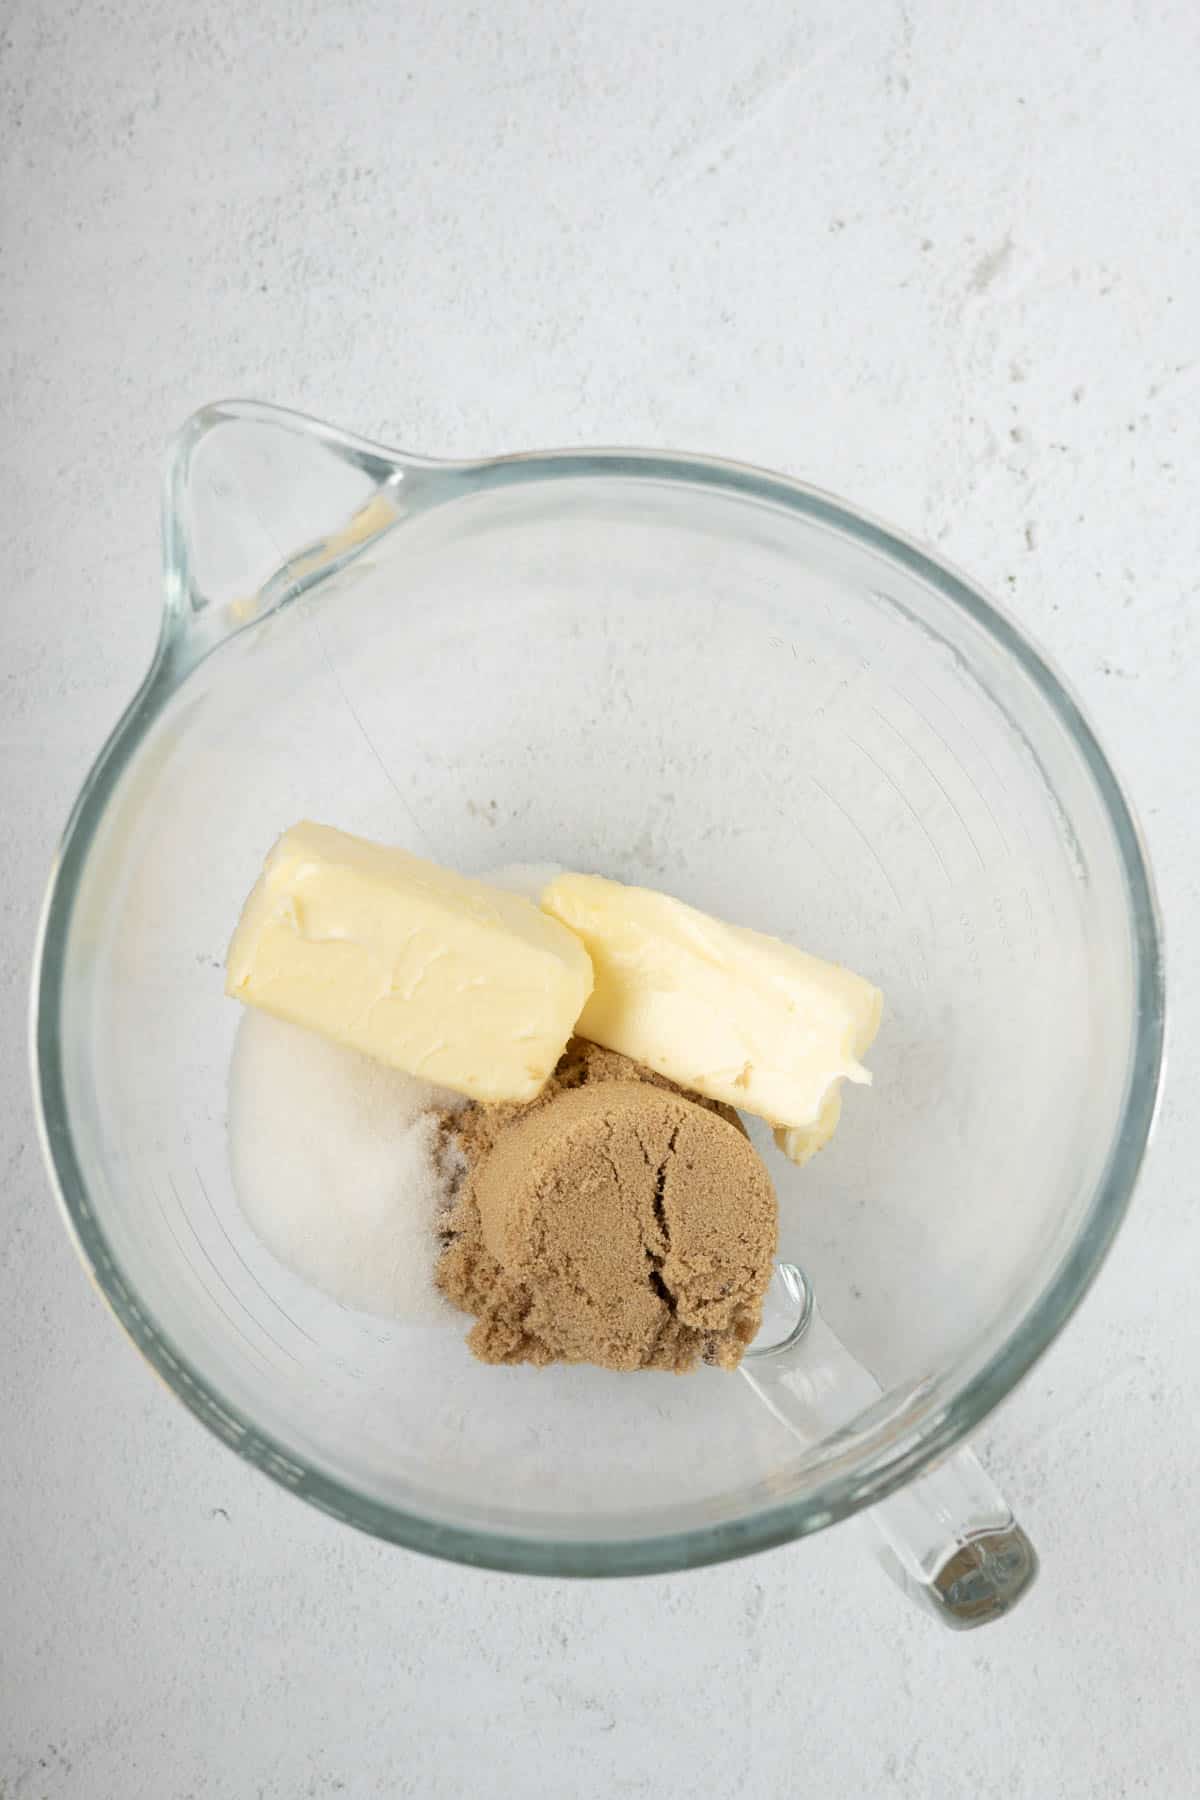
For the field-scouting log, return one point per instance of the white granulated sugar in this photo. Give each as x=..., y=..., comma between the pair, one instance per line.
x=333, y=1162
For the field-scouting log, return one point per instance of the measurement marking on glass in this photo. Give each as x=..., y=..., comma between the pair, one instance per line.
x=282, y=1311
x=905, y=801
x=203, y=1248
x=202, y=1284
x=978, y=748
x=861, y=834
x=937, y=781
x=989, y=765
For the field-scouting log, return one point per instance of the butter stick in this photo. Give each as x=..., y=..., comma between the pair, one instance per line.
x=732, y=1014
x=459, y=983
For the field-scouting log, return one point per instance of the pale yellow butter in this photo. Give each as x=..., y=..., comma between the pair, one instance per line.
x=460, y=983
x=733, y=1014
x=799, y=1142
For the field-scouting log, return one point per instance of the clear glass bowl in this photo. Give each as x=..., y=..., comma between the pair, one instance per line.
x=678, y=672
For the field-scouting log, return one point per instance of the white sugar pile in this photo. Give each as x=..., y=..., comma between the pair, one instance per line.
x=333, y=1162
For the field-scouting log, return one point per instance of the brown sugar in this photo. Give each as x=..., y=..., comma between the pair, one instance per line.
x=613, y=1220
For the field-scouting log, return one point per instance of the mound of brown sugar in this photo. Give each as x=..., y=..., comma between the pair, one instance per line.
x=613, y=1220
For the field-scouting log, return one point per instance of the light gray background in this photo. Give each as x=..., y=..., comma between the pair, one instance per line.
x=940, y=257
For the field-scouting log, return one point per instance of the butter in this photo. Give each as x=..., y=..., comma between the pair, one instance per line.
x=733, y=1014
x=799, y=1142
x=464, y=985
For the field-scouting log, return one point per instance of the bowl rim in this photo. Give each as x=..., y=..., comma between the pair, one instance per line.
x=895, y=1459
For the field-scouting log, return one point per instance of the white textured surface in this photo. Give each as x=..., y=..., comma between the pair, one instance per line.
x=937, y=256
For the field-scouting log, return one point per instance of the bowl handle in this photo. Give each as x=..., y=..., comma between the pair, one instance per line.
x=951, y=1542
x=948, y=1538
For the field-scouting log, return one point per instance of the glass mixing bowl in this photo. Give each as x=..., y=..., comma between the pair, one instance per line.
x=677, y=672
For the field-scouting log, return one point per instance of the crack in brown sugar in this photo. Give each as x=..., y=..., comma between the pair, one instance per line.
x=660, y=1187
x=657, y=1258
x=659, y=1287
